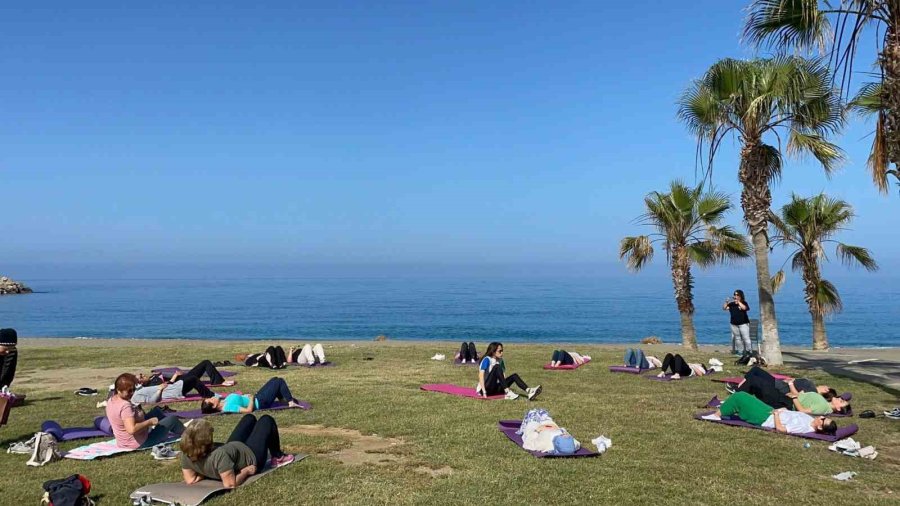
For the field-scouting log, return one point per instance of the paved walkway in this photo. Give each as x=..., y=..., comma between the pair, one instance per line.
x=879, y=367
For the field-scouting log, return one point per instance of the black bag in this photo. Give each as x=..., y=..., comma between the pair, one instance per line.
x=71, y=491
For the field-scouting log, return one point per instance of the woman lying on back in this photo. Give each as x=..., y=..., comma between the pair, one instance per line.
x=756, y=412
x=562, y=357
x=275, y=389
x=679, y=367
x=233, y=462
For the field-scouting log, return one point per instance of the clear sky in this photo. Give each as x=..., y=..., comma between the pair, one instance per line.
x=350, y=132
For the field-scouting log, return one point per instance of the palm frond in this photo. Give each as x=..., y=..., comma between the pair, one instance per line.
x=787, y=23
x=851, y=255
x=878, y=158
x=868, y=101
x=636, y=252
x=730, y=244
x=772, y=163
x=829, y=155
x=827, y=298
x=703, y=253
x=778, y=281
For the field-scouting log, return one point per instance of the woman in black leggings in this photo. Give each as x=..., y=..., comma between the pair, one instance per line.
x=274, y=358
x=244, y=455
x=467, y=353
x=492, y=379
x=679, y=367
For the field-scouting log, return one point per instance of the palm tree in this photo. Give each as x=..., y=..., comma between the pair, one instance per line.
x=786, y=98
x=838, y=26
x=807, y=224
x=870, y=102
x=687, y=224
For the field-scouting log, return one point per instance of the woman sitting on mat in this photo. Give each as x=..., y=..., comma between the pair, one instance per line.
x=131, y=427
x=308, y=355
x=275, y=389
x=467, y=353
x=561, y=357
x=492, y=379
x=680, y=367
x=273, y=358
x=784, y=394
x=233, y=462
x=756, y=412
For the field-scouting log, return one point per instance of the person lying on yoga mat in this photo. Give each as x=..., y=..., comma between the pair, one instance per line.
x=756, y=412
x=203, y=368
x=133, y=428
x=233, y=462
x=781, y=394
x=467, y=353
x=492, y=379
x=308, y=355
x=561, y=357
x=275, y=389
x=273, y=358
x=636, y=358
x=680, y=367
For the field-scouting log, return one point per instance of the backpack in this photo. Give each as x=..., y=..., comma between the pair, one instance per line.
x=45, y=450
x=71, y=491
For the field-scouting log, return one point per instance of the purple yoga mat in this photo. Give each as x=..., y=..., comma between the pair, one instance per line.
x=736, y=379
x=626, y=368
x=509, y=428
x=196, y=413
x=457, y=390
x=311, y=366
x=842, y=432
x=100, y=428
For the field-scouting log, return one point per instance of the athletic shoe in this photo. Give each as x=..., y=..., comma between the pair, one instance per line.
x=711, y=416
x=163, y=452
x=893, y=414
x=228, y=383
x=101, y=404
x=22, y=447
x=511, y=396
x=731, y=387
x=281, y=461
x=86, y=392
x=533, y=392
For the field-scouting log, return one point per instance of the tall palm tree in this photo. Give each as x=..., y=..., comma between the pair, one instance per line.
x=764, y=101
x=687, y=224
x=806, y=225
x=838, y=27
x=870, y=102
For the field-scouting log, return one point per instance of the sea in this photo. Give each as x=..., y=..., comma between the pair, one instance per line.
x=521, y=306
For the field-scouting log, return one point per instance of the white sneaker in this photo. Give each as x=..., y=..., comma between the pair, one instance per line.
x=711, y=416
x=511, y=396
x=163, y=452
x=533, y=392
x=22, y=447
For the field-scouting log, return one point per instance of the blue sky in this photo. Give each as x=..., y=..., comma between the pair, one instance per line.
x=355, y=133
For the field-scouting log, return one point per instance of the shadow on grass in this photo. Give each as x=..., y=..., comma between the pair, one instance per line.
x=882, y=369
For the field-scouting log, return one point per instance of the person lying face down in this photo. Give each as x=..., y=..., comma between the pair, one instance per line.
x=233, y=462
x=275, y=389
x=756, y=412
x=784, y=394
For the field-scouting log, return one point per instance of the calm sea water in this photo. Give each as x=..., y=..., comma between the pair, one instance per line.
x=599, y=309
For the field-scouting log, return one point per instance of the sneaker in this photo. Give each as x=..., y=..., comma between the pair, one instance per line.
x=22, y=447
x=163, y=452
x=511, y=396
x=711, y=416
x=893, y=414
x=281, y=461
x=533, y=392
x=731, y=387
x=86, y=392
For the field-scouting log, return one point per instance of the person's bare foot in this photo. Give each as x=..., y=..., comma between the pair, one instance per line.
x=228, y=383
x=294, y=404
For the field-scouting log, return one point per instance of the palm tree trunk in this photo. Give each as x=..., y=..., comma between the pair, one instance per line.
x=820, y=338
x=890, y=65
x=756, y=199
x=683, y=282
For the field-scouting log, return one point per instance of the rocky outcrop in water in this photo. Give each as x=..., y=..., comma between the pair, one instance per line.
x=9, y=287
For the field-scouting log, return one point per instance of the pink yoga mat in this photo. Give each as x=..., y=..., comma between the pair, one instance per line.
x=457, y=390
x=569, y=367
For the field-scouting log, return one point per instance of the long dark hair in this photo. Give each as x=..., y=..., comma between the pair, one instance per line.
x=492, y=348
x=741, y=293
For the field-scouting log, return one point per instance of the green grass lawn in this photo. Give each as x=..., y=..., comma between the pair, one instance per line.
x=659, y=455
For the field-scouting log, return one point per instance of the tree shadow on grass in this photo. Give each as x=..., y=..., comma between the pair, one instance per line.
x=882, y=370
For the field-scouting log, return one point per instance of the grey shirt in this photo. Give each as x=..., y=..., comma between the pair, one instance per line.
x=232, y=456
x=151, y=394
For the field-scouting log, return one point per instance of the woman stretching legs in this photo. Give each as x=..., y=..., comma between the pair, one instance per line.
x=676, y=364
x=467, y=353
x=262, y=438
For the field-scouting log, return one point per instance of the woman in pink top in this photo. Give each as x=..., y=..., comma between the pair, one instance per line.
x=133, y=428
